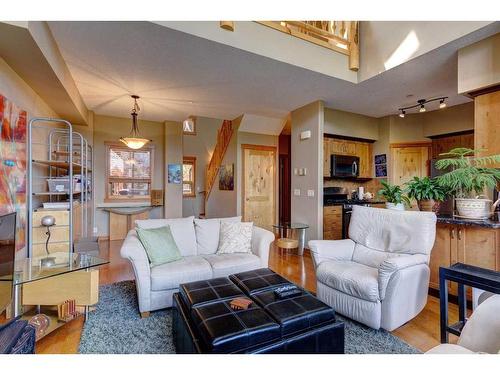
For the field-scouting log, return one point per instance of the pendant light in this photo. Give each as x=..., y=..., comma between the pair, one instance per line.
x=134, y=140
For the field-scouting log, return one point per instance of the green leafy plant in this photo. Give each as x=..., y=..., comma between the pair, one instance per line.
x=393, y=193
x=425, y=188
x=469, y=173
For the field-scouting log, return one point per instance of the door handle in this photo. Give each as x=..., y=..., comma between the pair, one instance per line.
x=452, y=233
x=460, y=234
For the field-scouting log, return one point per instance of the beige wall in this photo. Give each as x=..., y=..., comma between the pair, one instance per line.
x=449, y=120
x=479, y=65
x=350, y=124
x=15, y=89
x=173, y=155
x=201, y=146
x=379, y=40
x=223, y=203
x=110, y=129
x=308, y=154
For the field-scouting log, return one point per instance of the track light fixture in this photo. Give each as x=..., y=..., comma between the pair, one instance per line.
x=421, y=105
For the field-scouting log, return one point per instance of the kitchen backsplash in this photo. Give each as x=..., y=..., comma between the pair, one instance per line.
x=372, y=186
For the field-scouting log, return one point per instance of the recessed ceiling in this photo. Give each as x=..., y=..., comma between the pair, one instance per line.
x=178, y=75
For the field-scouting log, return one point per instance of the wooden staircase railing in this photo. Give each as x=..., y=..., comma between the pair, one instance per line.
x=223, y=138
x=340, y=36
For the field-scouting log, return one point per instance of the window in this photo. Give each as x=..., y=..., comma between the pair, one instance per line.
x=189, y=126
x=188, y=176
x=128, y=173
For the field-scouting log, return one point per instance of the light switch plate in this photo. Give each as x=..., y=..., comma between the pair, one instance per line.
x=305, y=135
x=295, y=171
x=296, y=192
x=310, y=193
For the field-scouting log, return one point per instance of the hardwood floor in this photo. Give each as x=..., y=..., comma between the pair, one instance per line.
x=422, y=332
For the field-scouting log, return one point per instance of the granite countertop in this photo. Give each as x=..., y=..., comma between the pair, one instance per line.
x=493, y=222
x=358, y=202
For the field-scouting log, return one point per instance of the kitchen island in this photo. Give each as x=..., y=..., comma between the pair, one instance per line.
x=474, y=242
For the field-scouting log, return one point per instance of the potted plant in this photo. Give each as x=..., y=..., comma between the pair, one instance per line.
x=427, y=192
x=394, y=196
x=467, y=179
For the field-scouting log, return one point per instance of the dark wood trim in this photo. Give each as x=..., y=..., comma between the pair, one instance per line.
x=483, y=91
x=463, y=132
x=347, y=138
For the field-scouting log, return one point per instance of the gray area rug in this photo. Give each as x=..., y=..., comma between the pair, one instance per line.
x=115, y=327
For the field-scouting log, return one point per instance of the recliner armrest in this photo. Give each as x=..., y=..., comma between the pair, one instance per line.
x=393, y=264
x=322, y=250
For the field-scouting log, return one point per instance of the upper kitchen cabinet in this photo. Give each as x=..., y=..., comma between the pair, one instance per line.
x=340, y=146
x=445, y=143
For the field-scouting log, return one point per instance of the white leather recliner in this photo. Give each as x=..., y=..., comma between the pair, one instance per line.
x=481, y=333
x=380, y=275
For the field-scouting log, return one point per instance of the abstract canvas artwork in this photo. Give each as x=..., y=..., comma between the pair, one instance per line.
x=226, y=177
x=13, y=123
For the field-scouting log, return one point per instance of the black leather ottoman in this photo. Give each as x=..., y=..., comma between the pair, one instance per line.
x=203, y=321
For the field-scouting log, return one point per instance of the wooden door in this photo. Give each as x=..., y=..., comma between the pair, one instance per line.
x=259, y=185
x=408, y=162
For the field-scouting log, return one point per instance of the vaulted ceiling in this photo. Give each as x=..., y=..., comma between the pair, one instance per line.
x=178, y=74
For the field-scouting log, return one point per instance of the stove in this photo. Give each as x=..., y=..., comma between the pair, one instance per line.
x=339, y=196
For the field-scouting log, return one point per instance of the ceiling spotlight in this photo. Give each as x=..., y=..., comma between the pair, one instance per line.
x=422, y=108
x=402, y=114
x=442, y=104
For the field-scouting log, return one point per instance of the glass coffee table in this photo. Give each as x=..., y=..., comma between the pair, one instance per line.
x=293, y=231
x=30, y=270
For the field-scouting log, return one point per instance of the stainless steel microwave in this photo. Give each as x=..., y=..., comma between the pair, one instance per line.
x=344, y=166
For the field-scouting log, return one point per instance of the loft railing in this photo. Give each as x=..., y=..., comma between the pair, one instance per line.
x=340, y=36
x=223, y=138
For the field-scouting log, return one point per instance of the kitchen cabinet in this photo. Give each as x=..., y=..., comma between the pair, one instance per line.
x=444, y=144
x=348, y=147
x=332, y=222
x=327, y=147
x=472, y=245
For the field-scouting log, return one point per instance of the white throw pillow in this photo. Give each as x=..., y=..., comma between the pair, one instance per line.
x=182, y=231
x=207, y=233
x=235, y=238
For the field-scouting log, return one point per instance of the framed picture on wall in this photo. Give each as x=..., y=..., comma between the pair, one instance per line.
x=381, y=159
x=226, y=177
x=175, y=174
x=381, y=170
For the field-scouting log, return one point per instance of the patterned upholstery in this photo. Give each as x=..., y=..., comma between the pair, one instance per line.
x=17, y=337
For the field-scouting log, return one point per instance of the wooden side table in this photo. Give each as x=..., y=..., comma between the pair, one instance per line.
x=464, y=275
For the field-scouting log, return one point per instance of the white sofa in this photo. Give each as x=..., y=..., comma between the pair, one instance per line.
x=197, y=241
x=481, y=333
x=380, y=275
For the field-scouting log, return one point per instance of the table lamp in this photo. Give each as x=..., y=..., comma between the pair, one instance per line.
x=48, y=221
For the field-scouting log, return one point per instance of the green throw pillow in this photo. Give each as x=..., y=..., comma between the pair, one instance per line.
x=159, y=244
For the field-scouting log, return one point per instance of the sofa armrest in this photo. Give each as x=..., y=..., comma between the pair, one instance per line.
x=322, y=250
x=261, y=242
x=133, y=250
x=393, y=264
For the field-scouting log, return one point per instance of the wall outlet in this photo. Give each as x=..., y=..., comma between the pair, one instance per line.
x=96, y=231
x=296, y=192
x=310, y=193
